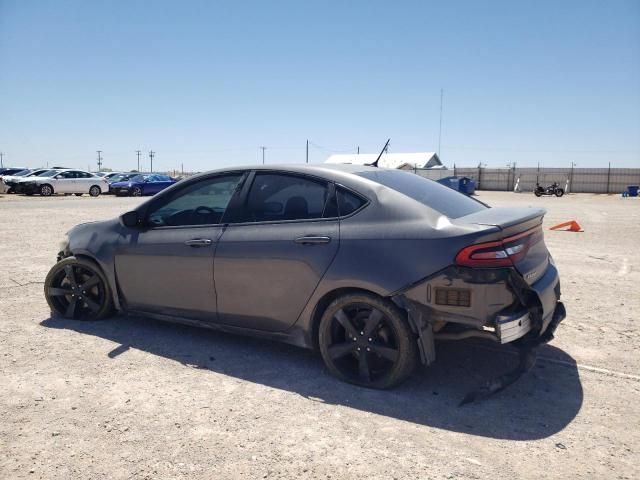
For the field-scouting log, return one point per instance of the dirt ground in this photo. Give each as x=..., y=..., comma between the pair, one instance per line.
x=134, y=398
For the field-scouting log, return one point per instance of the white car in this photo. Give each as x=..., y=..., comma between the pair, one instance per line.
x=68, y=181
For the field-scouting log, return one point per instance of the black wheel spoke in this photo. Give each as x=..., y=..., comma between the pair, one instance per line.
x=71, y=276
x=390, y=354
x=93, y=281
x=70, y=312
x=372, y=321
x=58, y=292
x=344, y=320
x=93, y=306
x=363, y=367
x=340, y=349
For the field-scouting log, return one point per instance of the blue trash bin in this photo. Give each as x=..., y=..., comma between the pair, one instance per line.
x=633, y=190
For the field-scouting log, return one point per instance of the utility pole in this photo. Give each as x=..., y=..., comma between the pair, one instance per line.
x=151, y=154
x=99, y=159
x=440, y=133
x=138, y=153
x=182, y=168
x=307, y=151
x=358, y=149
x=263, y=149
x=1, y=160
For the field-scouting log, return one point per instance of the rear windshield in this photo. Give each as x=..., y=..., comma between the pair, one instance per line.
x=442, y=199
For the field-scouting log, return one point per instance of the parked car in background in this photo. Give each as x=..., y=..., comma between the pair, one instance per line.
x=369, y=266
x=107, y=175
x=139, y=185
x=13, y=180
x=69, y=181
x=11, y=170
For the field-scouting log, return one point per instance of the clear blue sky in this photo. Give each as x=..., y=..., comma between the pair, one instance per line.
x=206, y=83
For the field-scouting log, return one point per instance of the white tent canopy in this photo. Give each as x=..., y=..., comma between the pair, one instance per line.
x=390, y=160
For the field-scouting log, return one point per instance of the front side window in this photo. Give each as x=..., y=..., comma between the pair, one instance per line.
x=276, y=197
x=202, y=203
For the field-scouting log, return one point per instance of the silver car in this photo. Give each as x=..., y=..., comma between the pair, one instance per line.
x=369, y=266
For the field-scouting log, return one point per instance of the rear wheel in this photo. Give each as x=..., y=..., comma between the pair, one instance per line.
x=76, y=289
x=94, y=191
x=46, y=190
x=78, y=194
x=559, y=192
x=366, y=340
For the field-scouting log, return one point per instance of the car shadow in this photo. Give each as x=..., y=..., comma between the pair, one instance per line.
x=541, y=403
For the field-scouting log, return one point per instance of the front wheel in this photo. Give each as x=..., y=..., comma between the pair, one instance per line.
x=136, y=192
x=537, y=193
x=46, y=190
x=367, y=341
x=94, y=191
x=559, y=192
x=76, y=289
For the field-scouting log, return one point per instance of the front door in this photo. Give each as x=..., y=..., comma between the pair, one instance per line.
x=272, y=256
x=167, y=266
x=65, y=182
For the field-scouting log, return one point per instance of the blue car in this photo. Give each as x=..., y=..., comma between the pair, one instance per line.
x=142, y=185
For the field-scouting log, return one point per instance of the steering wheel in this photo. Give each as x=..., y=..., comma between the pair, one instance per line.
x=202, y=210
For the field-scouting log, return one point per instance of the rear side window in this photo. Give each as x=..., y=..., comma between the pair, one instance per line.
x=348, y=202
x=275, y=196
x=442, y=199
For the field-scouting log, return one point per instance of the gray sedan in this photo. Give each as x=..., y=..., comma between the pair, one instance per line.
x=367, y=265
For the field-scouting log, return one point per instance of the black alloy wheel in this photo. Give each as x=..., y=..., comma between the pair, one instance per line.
x=76, y=289
x=366, y=340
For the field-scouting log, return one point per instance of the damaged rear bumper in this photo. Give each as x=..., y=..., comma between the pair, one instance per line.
x=495, y=304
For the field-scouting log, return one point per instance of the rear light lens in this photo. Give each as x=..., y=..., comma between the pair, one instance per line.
x=502, y=253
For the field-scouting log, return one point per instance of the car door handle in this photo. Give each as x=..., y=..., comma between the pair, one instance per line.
x=199, y=242
x=312, y=240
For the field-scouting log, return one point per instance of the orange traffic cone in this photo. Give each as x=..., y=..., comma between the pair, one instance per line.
x=572, y=224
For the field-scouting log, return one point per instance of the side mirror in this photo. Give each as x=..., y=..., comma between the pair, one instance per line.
x=131, y=219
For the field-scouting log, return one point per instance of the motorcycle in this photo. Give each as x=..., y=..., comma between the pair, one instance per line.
x=553, y=189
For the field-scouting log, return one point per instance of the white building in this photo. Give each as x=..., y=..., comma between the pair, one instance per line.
x=391, y=160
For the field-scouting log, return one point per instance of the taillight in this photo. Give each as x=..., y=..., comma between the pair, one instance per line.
x=502, y=253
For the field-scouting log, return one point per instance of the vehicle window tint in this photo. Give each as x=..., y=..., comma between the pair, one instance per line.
x=442, y=199
x=66, y=175
x=276, y=197
x=202, y=203
x=348, y=202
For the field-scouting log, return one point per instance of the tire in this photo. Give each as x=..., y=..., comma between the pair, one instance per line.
x=137, y=192
x=89, y=292
x=78, y=194
x=46, y=190
x=537, y=193
x=559, y=192
x=95, y=191
x=388, y=349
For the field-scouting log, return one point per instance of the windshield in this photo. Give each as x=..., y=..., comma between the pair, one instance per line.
x=432, y=194
x=48, y=173
x=121, y=177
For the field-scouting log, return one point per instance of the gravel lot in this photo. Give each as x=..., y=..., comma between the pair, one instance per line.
x=135, y=398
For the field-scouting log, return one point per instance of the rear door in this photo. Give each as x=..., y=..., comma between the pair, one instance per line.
x=274, y=251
